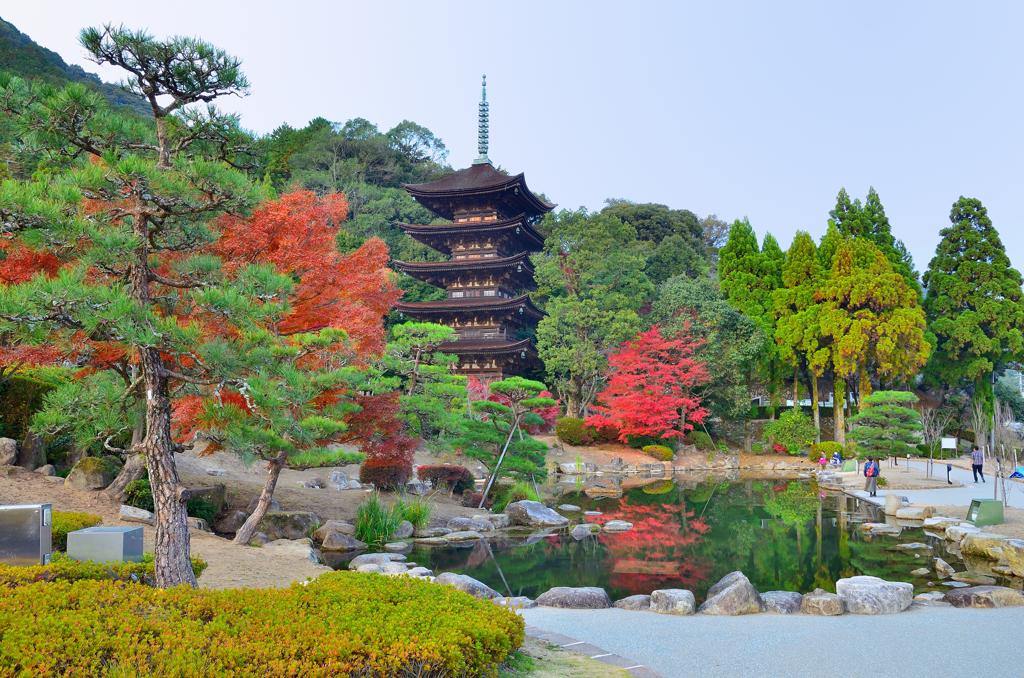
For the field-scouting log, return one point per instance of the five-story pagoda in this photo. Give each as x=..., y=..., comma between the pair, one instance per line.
x=489, y=275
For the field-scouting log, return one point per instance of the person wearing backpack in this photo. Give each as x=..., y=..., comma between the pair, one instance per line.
x=871, y=473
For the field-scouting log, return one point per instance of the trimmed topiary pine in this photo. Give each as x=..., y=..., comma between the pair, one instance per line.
x=887, y=423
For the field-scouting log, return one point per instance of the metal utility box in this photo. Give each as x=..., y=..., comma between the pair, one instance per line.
x=26, y=534
x=985, y=512
x=106, y=544
x=850, y=466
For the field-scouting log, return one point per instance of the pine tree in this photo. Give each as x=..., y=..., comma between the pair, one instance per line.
x=974, y=302
x=887, y=422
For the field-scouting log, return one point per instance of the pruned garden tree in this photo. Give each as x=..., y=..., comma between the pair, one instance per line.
x=887, y=422
x=974, y=304
x=651, y=387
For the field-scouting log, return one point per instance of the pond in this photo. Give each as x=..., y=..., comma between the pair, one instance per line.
x=784, y=535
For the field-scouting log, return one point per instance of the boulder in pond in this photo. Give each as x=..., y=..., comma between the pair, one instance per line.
x=231, y=521
x=578, y=598
x=732, y=595
x=569, y=508
x=467, y=584
x=940, y=523
x=943, y=569
x=466, y=524
x=584, y=530
x=618, y=526
x=379, y=559
x=985, y=596
x=339, y=526
x=979, y=543
x=635, y=603
x=289, y=525
x=956, y=533
x=973, y=578
x=404, y=530
x=90, y=473
x=892, y=504
x=821, y=603
x=534, y=514
x=1013, y=551
x=782, y=602
x=872, y=595
x=497, y=520
x=672, y=601
x=336, y=541
x=8, y=452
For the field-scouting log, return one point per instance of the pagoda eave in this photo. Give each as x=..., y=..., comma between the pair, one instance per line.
x=480, y=183
x=516, y=230
x=519, y=307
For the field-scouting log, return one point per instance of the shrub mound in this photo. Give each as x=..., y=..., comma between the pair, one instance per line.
x=756, y=448
x=701, y=440
x=573, y=431
x=659, y=452
x=455, y=479
x=660, y=487
x=70, y=522
x=386, y=476
x=828, y=447
x=342, y=624
x=64, y=569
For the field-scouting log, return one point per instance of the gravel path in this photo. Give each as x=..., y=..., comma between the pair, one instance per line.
x=935, y=642
x=953, y=496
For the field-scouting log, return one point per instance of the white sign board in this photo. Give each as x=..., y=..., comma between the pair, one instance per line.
x=949, y=443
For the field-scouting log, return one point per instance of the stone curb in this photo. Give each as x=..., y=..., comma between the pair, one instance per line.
x=571, y=644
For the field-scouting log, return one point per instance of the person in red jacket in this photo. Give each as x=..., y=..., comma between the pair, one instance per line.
x=871, y=473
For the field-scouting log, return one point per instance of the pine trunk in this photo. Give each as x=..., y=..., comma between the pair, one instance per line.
x=248, y=529
x=814, y=408
x=838, y=403
x=134, y=466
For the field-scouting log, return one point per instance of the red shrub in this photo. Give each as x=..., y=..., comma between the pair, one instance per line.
x=455, y=479
x=779, y=448
x=472, y=499
x=385, y=476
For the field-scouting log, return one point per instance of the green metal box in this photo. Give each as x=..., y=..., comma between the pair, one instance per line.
x=985, y=512
x=850, y=465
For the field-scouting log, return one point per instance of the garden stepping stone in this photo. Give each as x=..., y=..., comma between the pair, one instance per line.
x=618, y=526
x=1004, y=570
x=912, y=546
x=973, y=578
x=592, y=513
x=398, y=547
x=427, y=532
x=431, y=541
x=463, y=535
x=568, y=507
x=920, y=572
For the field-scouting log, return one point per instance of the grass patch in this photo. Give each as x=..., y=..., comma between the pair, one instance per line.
x=374, y=522
x=415, y=509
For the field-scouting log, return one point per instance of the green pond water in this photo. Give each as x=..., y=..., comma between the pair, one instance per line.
x=784, y=535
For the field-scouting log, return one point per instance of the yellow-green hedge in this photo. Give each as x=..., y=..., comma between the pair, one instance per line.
x=70, y=522
x=65, y=569
x=342, y=624
x=659, y=452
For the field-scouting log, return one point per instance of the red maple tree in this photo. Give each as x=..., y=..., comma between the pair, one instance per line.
x=650, y=384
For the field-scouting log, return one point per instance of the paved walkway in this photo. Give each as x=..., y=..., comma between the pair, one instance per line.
x=952, y=496
x=937, y=642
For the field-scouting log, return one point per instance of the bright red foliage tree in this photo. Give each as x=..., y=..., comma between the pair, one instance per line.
x=650, y=384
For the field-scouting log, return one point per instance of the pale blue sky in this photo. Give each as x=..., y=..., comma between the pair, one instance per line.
x=738, y=108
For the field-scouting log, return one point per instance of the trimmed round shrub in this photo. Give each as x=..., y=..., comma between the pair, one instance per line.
x=69, y=522
x=701, y=440
x=341, y=624
x=573, y=431
x=455, y=479
x=659, y=452
x=387, y=476
x=640, y=442
x=659, y=487
x=756, y=448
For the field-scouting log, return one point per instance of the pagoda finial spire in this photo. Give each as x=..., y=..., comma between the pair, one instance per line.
x=482, y=135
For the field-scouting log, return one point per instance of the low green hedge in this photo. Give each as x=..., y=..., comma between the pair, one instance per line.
x=70, y=522
x=573, y=431
x=64, y=569
x=701, y=440
x=341, y=624
x=659, y=452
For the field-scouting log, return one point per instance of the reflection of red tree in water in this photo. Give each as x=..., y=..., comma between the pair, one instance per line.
x=656, y=551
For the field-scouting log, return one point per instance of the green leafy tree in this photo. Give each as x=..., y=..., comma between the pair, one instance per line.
x=158, y=187
x=974, y=302
x=887, y=422
x=675, y=238
x=793, y=428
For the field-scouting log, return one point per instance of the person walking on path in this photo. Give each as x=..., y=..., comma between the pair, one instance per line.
x=977, y=462
x=871, y=473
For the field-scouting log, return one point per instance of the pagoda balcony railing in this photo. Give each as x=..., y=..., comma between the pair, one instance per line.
x=478, y=335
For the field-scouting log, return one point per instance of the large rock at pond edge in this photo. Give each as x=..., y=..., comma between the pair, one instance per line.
x=380, y=559
x=942, y=568
x=463, y=535
x=251, y=508
x=1013, y=551
x=231, y=521
x=404, y=530
x=90, y=473
x=892, y=504
x=132, y=514
x=336, y=541
x=782, y=602
x=8, y=452
x=635, y=603
x=672, y=601
x=985, y=596
x=32, y=453
x=958, y=532
x=431, y=532
x=732, y=595
x=871, y=595
x=467, y=584
x=978, y=543
x=497, y=520
x=922, y=513
x=300, y=548
x=940, y=523
x=581, y=598
x=534, y=514
x=467, y=524
x=339, y=526
x=288, y=524
x=822, y=603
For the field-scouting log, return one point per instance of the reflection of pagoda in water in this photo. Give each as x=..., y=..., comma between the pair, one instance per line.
x=489, y=275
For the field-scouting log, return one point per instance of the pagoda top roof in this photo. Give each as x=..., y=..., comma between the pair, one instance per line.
x=478, y=180
x=443, y=306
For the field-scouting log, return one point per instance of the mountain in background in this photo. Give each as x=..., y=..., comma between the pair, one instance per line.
x=21, y=56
